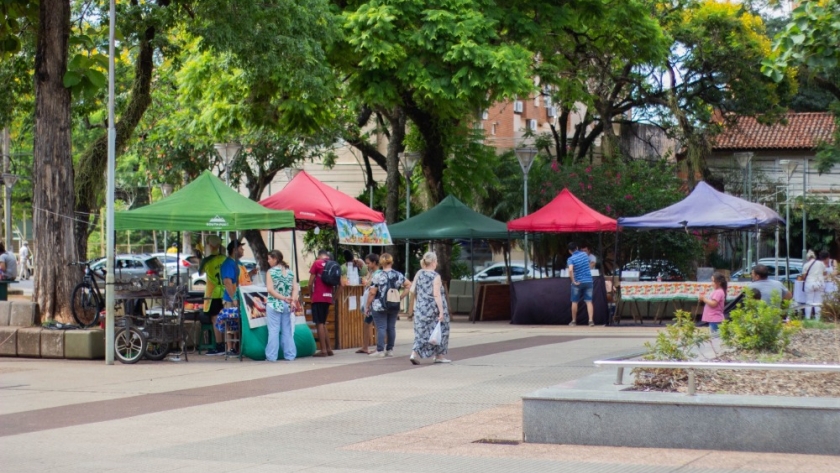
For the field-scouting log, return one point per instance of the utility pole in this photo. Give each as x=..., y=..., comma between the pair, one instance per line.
x=7, y=189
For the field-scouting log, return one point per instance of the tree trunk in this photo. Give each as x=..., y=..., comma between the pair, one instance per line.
x=53, y=166
x=92, y=164
x=396, y=119
x=433, y=163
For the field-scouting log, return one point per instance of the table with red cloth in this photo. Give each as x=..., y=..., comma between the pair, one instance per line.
x=673, y=292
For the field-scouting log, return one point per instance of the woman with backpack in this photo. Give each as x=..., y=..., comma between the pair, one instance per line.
x=387, y=289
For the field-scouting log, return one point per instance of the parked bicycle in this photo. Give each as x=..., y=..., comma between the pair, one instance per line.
x=87, y=300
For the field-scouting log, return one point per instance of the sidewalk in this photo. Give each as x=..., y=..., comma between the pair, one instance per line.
x=340, y=414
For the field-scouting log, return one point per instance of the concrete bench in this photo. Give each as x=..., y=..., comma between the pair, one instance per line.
x=4, y=288
x=461, y=298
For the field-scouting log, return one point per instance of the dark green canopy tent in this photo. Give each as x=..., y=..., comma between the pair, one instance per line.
x=206, y=204
x=448, y=220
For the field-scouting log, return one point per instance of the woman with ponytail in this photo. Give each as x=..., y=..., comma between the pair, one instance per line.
x=282, y=293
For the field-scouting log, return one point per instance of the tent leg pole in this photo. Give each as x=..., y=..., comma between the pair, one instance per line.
x=294, y=250
x=472, y=271
x=178, y=263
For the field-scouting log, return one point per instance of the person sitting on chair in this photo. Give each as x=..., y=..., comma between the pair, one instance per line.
x=767, y=287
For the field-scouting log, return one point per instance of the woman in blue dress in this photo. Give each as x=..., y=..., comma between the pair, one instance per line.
x=430, y=307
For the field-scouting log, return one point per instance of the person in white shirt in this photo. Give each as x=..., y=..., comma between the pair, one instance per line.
x=25, y=261
x=815, y=273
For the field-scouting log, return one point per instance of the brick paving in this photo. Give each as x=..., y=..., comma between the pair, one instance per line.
x=341, y=414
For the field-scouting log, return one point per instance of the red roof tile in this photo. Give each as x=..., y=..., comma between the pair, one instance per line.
x=802, y=131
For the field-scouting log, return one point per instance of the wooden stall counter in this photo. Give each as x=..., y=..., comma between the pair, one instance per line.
x=345, y=321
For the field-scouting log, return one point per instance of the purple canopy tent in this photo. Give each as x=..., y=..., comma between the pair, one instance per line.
x=706, y=208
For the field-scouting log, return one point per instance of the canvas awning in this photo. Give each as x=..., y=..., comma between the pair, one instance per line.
x=450, y=219
x=564, y=214
x=707, y=208
x=205, y=204
x=315, y=203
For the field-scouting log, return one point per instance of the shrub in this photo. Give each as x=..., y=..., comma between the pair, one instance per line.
x=831, y=303
x=757, y=326
x=677, y=341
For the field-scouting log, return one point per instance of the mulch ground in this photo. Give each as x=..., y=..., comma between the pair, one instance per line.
x=809, y=346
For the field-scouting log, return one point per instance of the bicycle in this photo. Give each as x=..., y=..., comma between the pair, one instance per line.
x=86, y=300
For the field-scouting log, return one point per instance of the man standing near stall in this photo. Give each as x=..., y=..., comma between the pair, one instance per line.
x=582, y=284
x=214, y=288
x=321, y=283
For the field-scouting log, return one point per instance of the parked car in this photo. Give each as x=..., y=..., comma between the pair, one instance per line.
x=128, y=267
x=779, y=275
x=653, y=270
x=200, y=279
x=172, y=263
x=497, y=273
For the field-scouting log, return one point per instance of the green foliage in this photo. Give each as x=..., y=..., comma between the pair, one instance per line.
x=831, y=303
x=677, y=341
x=757, y=326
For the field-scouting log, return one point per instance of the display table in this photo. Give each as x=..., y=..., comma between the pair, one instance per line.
x=673, y=292
x=548, y=302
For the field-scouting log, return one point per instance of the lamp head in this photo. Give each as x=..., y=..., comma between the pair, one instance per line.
x=789, y=166
x=526, y=156
x=408, y=160
x=744, y=158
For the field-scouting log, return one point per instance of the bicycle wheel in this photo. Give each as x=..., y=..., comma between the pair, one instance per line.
x=85, y=305
x=129, y=345
x=157, y=351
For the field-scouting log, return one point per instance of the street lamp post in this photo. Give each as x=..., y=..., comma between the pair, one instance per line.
x=227, y=151
x=745, y=162
x=526, y=157
x=9, y=182
x=166, y=189
x=789, y=166
x=408, y=161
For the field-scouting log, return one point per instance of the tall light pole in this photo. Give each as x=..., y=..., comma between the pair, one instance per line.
x=408, y=161
x=166, y=189
x=526, y=157
x=228, y=152
x=804, y=219
x=109, y=195
x=9, y=182
x=789, y=166
x=745, y=162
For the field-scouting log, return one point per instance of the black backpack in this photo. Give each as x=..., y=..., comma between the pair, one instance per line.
x=331, y=276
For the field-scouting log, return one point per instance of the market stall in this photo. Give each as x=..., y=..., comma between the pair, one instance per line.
x=703, y=209
x=207, y=204
x=316, y=204
x=451, y=220
x=548, y=301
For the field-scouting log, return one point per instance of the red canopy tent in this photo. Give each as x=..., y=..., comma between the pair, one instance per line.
x=566, y=213
x=317, y=204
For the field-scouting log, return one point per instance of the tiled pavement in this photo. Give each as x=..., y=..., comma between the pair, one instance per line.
x=344, y=413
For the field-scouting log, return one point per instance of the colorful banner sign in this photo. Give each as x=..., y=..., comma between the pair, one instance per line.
x=353, y=232
x=255, y=299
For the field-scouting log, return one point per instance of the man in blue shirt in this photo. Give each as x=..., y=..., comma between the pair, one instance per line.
x=581, y=277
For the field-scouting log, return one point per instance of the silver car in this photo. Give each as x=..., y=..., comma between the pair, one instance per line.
x=795, y=270
x=128, y=267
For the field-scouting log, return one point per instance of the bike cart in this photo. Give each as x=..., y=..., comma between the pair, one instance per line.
x=150, y=332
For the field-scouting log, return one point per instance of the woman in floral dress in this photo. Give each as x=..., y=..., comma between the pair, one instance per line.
x=282, y=292
x=430, y=307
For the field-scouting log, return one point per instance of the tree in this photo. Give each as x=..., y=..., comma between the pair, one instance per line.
x=53, y=223
x=680, y=65
x=808, y=44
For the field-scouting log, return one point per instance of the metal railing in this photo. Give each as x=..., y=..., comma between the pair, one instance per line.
x=691, y=366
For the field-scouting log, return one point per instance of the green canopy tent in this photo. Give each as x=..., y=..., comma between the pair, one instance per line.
x=449, y=220
x=205, y=204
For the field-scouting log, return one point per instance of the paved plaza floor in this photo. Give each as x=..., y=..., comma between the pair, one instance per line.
x=347, y=413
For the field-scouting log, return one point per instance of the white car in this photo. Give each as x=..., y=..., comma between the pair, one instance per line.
x=200, y=279
x=498, y=273
x=795, y=270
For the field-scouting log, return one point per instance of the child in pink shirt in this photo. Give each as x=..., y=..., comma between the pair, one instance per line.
x=715, y=300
